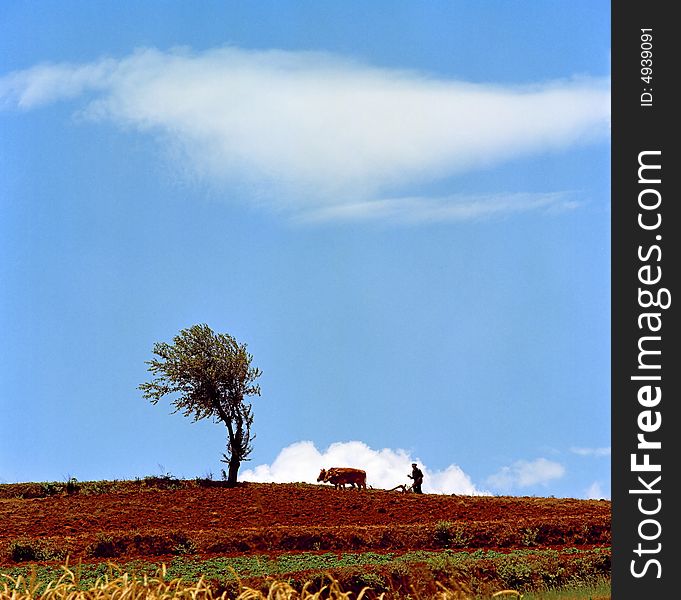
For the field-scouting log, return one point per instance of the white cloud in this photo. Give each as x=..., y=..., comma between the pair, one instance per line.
x=595, y=492
x=598, y=452
x=414, y=210
x=524, y=474
x=46, y=83
x=385, y=468
x=321, y=137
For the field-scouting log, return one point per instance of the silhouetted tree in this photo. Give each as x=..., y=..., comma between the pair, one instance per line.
x=211, y=374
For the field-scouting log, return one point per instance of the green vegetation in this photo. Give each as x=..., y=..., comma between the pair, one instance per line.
x=113, y=583
x=483, y=570
x=599, y=590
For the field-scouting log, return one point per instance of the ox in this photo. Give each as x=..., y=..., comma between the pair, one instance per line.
x=339, y=476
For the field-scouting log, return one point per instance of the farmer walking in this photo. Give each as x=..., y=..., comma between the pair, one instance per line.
x=417, y=476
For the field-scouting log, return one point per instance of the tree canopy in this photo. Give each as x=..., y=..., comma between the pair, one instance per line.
x=208, y=375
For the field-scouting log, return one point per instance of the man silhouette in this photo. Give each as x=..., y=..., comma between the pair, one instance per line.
x=417, y=476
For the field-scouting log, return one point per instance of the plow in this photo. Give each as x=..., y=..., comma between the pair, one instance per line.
x=405, y=489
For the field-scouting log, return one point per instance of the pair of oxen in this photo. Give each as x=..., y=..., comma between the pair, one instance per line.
x=340, y=476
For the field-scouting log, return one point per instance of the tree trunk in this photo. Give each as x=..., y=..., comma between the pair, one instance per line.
x=232, y=458
x=233, y=470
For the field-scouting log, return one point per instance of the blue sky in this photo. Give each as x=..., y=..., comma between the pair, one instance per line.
x=402, y=209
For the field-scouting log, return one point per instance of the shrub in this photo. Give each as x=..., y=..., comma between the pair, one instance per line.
x=451, y=535
x=51, y=488
x=72, y=486
x=105, y=547
x=530, y=535
x=183, y=545
x=23, y=550
x=460, y=539
x=163, y=482
x=515, y=571
x=442, y=534
x=398, y=569
x=442, y=565
x=374, y=581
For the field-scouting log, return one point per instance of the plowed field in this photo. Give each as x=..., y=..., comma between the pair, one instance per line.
x=139, y=520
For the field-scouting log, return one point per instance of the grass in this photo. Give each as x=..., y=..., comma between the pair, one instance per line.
x=113, y=584
x=484, y=571
x=158, y=587
x=599, y=590
x=71, y=486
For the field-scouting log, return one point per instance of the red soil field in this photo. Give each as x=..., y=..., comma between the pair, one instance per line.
x=137, y=519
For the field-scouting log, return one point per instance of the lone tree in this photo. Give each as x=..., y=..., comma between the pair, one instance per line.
x=208, y=375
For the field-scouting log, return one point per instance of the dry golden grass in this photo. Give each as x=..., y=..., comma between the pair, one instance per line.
x=126, y=587
x=123, y=586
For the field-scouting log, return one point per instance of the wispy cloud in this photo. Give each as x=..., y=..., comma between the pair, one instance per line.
x=524, y=474
x=414, y=210
x=597, y=452
x=321, y=137
x=386, y=468
x=46, y=83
